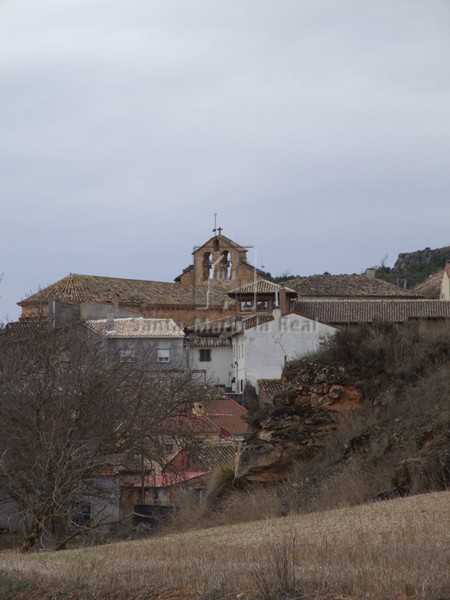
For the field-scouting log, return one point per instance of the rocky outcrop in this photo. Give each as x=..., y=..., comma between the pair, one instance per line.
x=420, y=258
x=304, y=413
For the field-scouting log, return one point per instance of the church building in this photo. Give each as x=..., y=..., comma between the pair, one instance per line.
x=197, y=295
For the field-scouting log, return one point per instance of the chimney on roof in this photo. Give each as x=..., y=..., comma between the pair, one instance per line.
x=115, y=300
x=110, y=326
x=276, y=303
x=198, y=408
x=283, y=300
x=370, y=272
x=276, y=313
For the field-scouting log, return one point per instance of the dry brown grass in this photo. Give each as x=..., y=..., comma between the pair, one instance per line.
x=381, y=550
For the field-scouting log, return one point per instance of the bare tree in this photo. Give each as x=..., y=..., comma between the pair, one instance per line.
x=65, y=405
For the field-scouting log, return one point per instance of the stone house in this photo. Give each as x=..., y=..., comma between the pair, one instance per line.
x=184, y=478
x=127, y=490
x=210, y=436
x=154, y=342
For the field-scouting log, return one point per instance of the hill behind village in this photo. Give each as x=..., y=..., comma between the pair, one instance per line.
x=413, y=269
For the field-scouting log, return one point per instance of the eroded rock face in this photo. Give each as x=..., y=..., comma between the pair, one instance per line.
x=305, y=412
x=408, y=260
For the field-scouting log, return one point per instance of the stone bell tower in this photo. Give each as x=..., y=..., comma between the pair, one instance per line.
x=220, y=262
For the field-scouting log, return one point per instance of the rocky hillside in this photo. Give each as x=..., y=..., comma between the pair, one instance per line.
x=305, y=413
x=373, y=409
x=413, y=268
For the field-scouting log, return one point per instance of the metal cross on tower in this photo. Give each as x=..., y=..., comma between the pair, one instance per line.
x=217, y=229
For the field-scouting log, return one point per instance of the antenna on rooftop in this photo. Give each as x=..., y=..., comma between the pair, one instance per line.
x=217, y=229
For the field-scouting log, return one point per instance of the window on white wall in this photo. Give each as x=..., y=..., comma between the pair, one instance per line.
x=163, y=355
x=204, y=355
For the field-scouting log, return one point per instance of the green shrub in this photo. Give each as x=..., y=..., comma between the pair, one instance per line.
x=387, y=354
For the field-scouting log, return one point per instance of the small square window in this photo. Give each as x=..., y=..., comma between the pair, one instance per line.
x=205, y=355
x=163, y=356
x=262, y=305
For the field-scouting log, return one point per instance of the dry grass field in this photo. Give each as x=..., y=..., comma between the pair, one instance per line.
x=385, y=550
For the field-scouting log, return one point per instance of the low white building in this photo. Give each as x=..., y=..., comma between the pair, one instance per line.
x=261, y=349
x=265, y=333
x=211, y=359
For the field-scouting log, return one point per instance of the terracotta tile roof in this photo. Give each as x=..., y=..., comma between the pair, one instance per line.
x=256, y=320
x=348, y=286
x=202, y=456
x=24, y=329
x=215, y=454
x=226, y=414
x=168, y=478
x=210, y=342
x=136, y=328
x=228, y=325
x=115, y=464
x=76, y=288
x=262, y=286
x=360, y=311
x=269, y=387
x=190, y=424
x=217, y=326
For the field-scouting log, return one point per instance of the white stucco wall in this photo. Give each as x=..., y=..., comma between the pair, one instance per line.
x=218, y=369
x=262, y=350
x=445, y=287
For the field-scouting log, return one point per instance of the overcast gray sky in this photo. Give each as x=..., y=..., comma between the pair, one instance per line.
x=319, y=130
